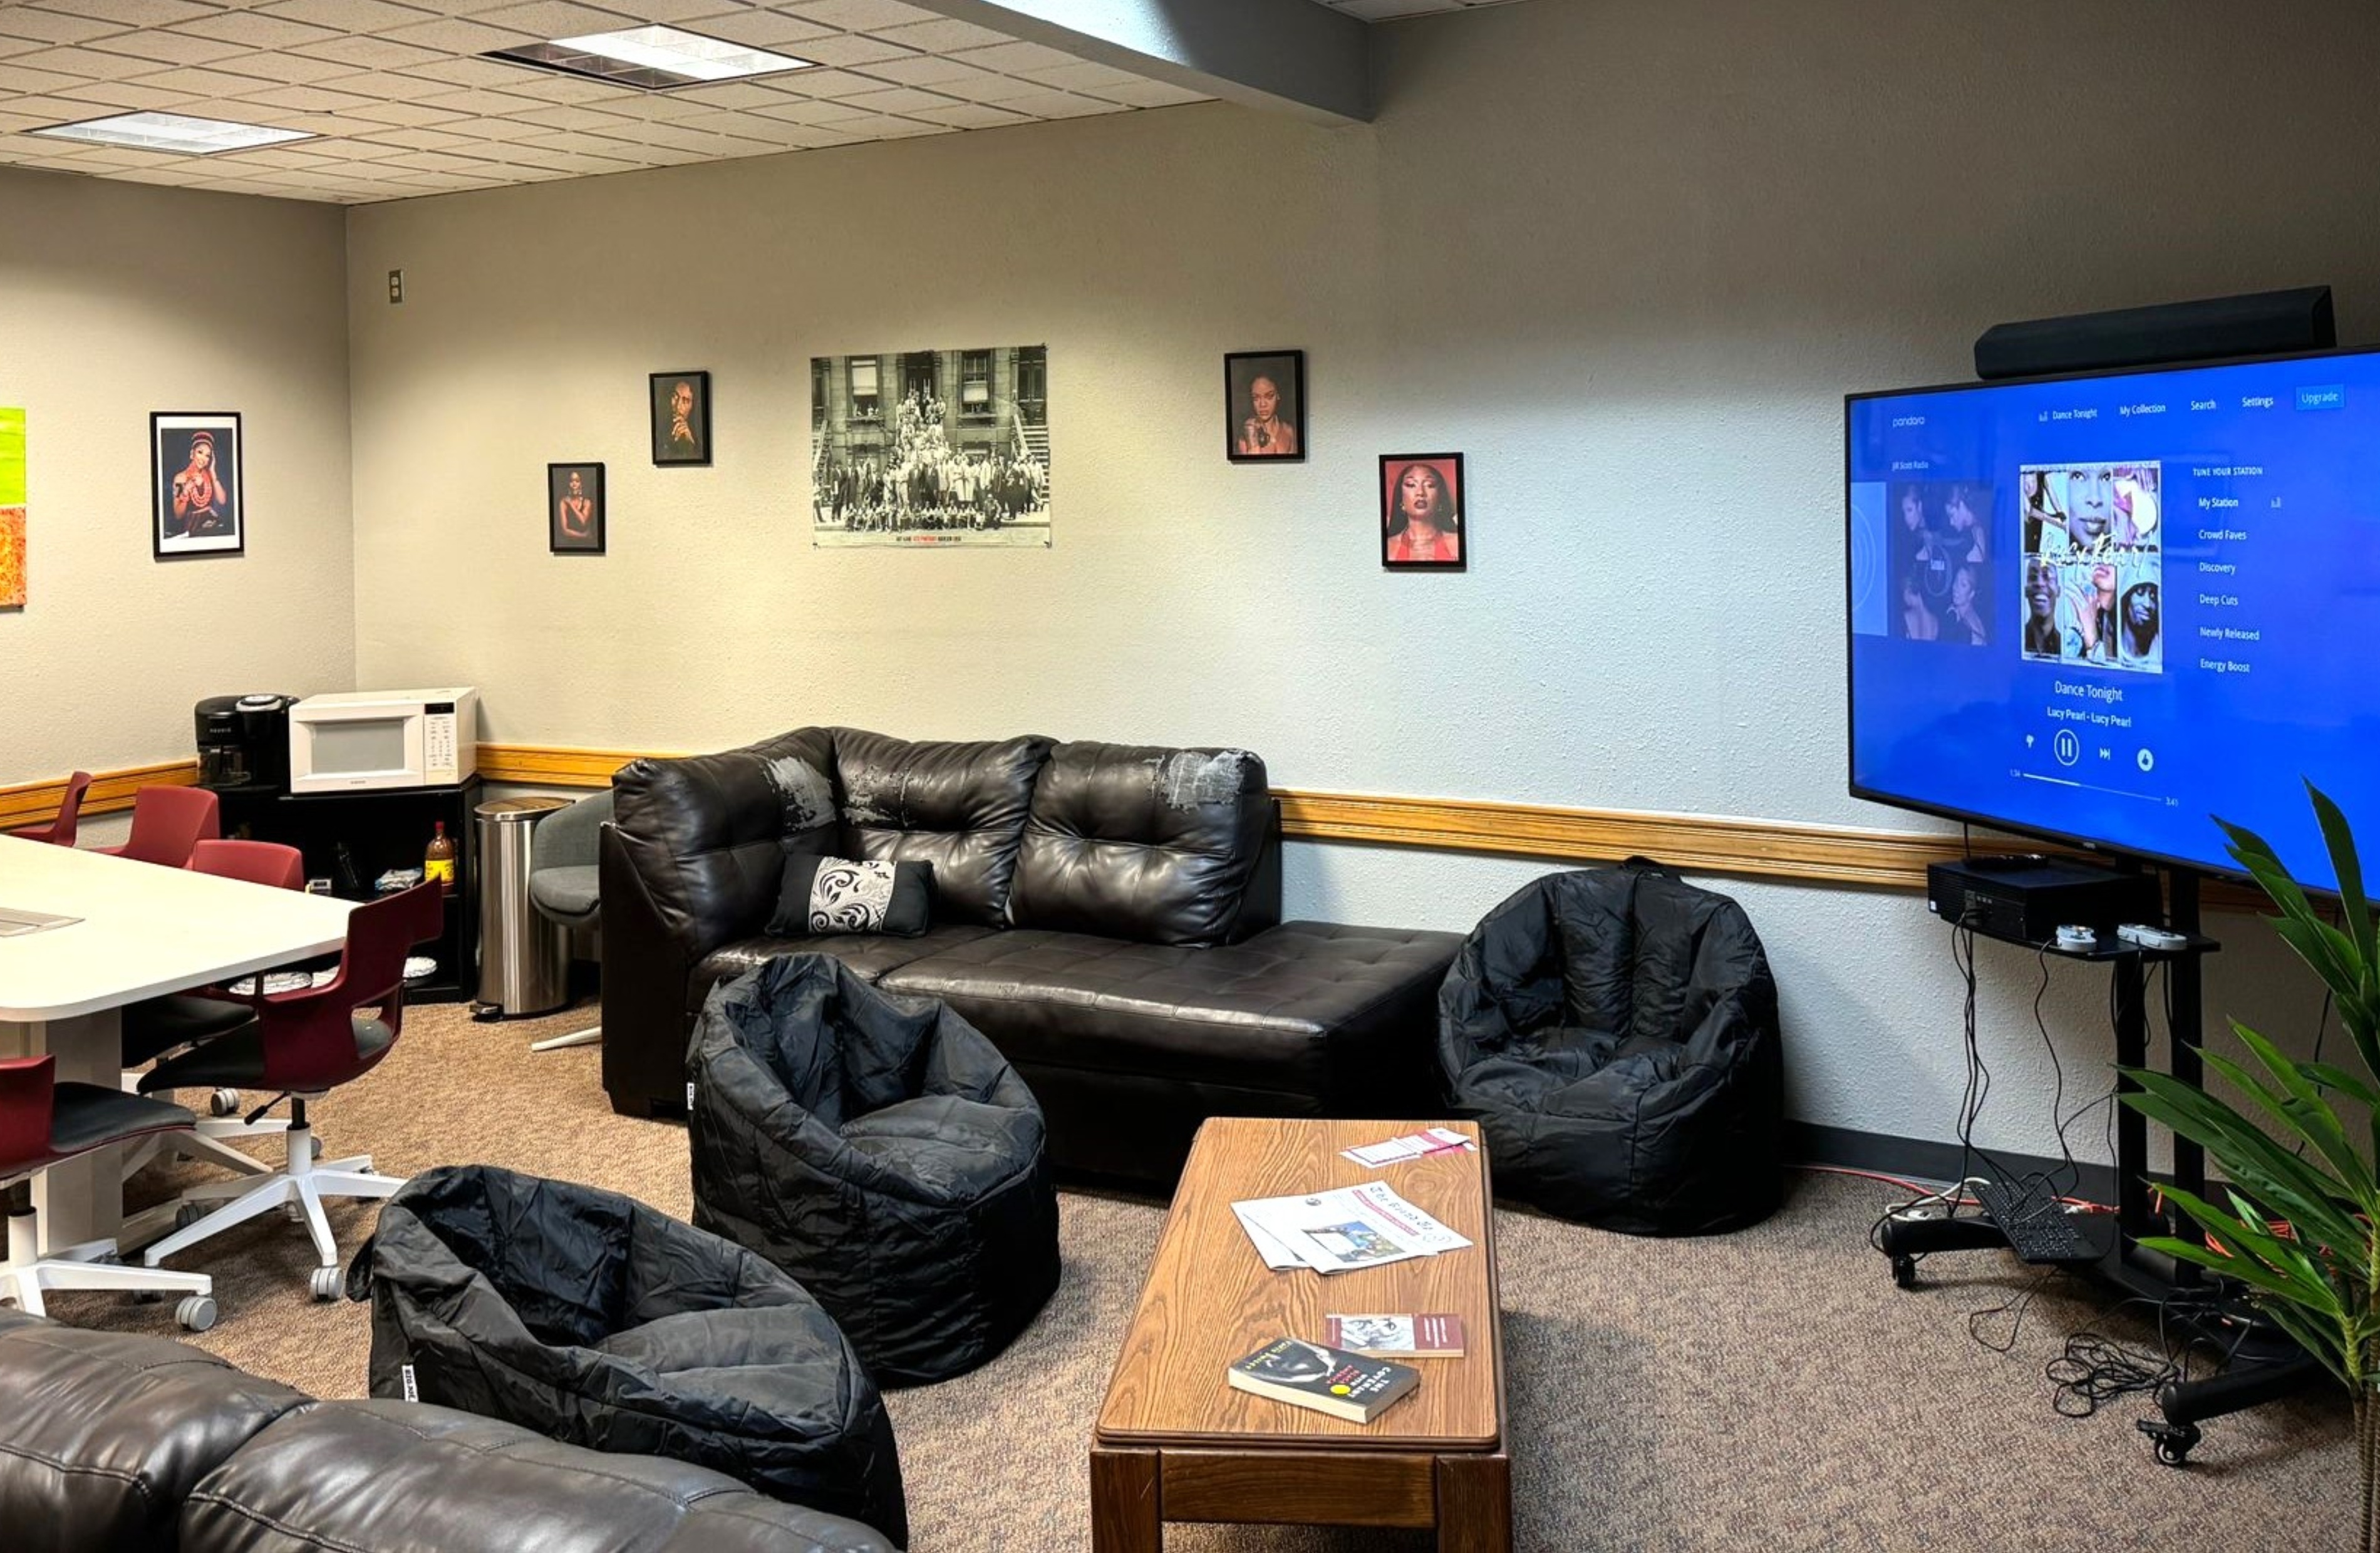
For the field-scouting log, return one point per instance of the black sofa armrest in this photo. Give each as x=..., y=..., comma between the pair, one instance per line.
x=645, y=971
x=692, y=860
x=1260, y=903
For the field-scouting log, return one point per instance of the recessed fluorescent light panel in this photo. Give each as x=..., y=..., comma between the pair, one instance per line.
x=174, y=132
x=651, y=58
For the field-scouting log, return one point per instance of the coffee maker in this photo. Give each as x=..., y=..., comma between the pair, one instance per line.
x=244, y=743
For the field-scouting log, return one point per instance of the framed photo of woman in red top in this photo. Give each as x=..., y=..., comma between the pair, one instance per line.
x=1422, y=524
x=194, y=488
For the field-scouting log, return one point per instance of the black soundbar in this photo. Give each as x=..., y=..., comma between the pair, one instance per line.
x=2267, y=323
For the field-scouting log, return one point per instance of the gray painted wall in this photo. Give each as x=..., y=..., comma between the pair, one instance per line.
x=115, y=301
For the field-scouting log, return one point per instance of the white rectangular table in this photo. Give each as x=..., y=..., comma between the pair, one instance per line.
x=145, y=930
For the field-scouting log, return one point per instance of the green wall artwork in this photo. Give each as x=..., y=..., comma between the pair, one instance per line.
x=12, y=509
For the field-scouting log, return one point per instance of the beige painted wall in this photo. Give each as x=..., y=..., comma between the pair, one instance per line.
x=117, y=299
x=1627, y=254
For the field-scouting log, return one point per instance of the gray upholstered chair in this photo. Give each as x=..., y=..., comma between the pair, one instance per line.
x=562, y=881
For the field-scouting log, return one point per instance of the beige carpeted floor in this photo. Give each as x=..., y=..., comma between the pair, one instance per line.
x=1769, y=1389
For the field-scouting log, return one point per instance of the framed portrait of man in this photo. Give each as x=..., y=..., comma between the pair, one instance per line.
x=194, y=485
x=1423, y=527
x=681, y=407
x=1264, y=406
x=573, y=509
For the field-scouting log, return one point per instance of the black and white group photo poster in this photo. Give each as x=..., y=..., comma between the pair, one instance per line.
x=931, y=448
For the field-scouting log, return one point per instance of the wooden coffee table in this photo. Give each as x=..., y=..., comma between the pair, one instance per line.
x=1175, y=1442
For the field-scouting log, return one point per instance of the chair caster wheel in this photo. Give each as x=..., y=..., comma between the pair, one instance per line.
x=188, y=1214
x=196, y=1313
x=1904, y=1271
x=294, y=1212
x=325, y=1283
x=2174, y=1441
x=224, y=1102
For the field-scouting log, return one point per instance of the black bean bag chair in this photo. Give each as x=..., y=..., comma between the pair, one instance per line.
x=1614, y=1033
x=598, y=1321
x=880, y=1150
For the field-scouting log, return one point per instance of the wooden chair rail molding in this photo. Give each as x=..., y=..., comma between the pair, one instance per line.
x=1692, y=843
x=34, y=803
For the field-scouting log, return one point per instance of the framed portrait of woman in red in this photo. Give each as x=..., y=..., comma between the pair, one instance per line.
x=196, y=506
x=573, y=509
x=1422, y=522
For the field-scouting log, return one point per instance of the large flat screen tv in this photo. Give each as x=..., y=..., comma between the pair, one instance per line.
x=2104, y=609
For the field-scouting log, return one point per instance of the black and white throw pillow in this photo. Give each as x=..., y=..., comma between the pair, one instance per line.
x=841, y=895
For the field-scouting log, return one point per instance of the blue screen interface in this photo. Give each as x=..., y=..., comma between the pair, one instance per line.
x=2108, y=609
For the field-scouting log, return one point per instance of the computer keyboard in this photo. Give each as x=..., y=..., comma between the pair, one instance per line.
x=2038, y=1226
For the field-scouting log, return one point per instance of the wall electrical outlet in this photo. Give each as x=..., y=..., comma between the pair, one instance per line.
x=396, y=287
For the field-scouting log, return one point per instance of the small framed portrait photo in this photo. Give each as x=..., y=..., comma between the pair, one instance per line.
x=681, y=405
x=1422, y=522
x=194, y=485
x=1264, y=406
x=573, y=509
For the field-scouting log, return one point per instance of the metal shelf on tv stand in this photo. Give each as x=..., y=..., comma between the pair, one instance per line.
x=2264, y=1365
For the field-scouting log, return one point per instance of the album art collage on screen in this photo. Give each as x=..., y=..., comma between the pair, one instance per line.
x=2089, y=571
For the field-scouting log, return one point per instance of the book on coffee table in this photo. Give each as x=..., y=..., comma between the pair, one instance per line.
x=1426, y=1336
x=1331, y=1380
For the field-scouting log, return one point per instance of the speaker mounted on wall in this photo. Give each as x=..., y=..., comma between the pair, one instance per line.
x=2266, y=323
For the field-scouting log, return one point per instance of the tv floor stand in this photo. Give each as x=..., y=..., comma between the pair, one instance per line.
x=2265, y=1364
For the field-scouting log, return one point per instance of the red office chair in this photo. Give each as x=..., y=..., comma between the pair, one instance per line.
x=304, y=1044
x=61, y=831
x=168, y=823
x=154, y=1027
x=44, y=1122
x=283, y=868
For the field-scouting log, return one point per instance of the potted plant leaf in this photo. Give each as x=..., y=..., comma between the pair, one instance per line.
x=2301, y=1193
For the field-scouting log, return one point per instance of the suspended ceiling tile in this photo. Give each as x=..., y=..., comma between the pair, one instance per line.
x=168, y=47
x=455, y=35
x=347, y=15
x=289, y=69
x=761, y=29
x=370, y=54
x=851, y=50
x=83, y=63
x=969, y=115
x=51, y=27
x=860, y=16
x=941, y=36
x=132, y=13
x=558, y=18
x=128, y=96
x=1060, y=104
x=252, y=30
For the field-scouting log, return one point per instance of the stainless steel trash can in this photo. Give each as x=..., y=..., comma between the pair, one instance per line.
x=524, y=956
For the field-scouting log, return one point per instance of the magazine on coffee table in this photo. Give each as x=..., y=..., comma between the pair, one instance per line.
x=1343, y=1229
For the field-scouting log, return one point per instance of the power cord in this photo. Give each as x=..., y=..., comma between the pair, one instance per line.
x=2095, y=1369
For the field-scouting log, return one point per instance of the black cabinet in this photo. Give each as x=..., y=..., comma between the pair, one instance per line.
x=380, y=831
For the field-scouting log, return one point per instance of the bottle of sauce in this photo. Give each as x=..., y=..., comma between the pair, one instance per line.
x=438, y=863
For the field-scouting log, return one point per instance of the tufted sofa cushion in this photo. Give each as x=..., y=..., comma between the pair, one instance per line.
x=1136, y=842
x=393, y=1477
x=1288, y=1010
x=102, y=1435
x=960, y=806
x=868, y=955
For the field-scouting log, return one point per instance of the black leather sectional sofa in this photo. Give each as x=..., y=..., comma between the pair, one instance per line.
x=1107, y=913
x=134, y=1444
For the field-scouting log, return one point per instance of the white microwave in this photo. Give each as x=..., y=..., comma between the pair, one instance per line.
x=365, y=739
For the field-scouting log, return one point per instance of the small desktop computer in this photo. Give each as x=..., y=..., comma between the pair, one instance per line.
x=2030, y=897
